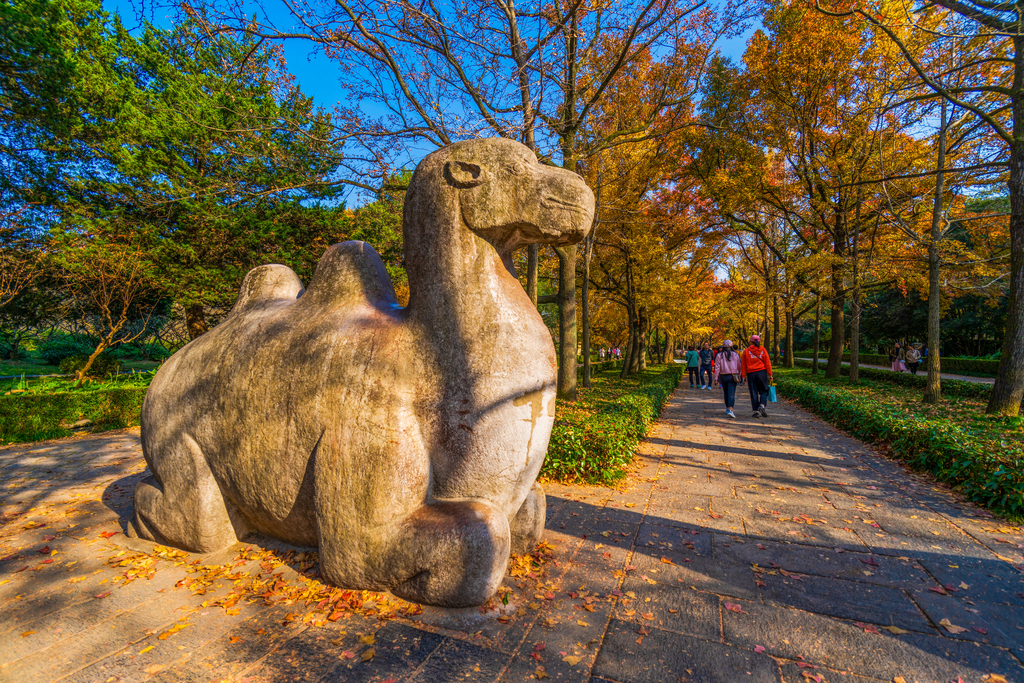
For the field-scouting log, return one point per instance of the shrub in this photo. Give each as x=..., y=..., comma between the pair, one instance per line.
x=596, y=449
x=950, y=387
x=61, y=346
x=48, y=416
x=101, y=367
x=948, y=451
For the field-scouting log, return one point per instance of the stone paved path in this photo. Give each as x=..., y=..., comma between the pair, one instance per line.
x=739, y=550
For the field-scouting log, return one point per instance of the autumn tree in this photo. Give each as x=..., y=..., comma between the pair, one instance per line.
x=990, y=85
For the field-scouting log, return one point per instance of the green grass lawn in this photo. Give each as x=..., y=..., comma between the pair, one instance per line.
x=32, y=367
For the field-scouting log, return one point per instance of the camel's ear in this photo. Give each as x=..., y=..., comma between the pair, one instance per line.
x=463, y=174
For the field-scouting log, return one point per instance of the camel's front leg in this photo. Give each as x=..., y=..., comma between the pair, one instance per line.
x=454, y=554
x=528, y=525
x=450, y=553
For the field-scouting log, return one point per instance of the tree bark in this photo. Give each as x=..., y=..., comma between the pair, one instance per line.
x=775, y=329
x=1008, y=389
x=532, y=257
x=566, y=389
x=670, y=344
x=588, y=252
x=790, y=331
x=817, y=337
x=855, y=302
x=195, y=320
x=933, y=389
x=838, y=300
x=643, y=340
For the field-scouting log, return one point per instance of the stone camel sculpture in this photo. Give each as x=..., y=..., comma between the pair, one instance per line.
x=403, y=442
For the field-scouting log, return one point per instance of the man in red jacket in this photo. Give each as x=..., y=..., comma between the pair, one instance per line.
x=756, y=366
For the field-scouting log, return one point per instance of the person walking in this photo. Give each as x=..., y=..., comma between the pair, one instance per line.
x=897, y=358
x=756, y=367
x=913, y=358
x=706, y=357
x=728, y=367
x=692, y=363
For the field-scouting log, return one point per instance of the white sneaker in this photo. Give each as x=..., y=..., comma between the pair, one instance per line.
x=728, y=411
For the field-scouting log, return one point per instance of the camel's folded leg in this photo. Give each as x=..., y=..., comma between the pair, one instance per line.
x=449, y=553
x=527, y=526
x=185, y=507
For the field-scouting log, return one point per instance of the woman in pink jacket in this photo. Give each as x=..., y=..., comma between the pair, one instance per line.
x=727, y=374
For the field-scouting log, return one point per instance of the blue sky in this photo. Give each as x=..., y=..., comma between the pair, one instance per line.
x=315, y=73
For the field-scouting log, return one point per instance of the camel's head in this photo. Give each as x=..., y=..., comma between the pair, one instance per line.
x=510, y=200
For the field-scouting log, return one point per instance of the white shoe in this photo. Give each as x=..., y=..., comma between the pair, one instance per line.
x=729, y=413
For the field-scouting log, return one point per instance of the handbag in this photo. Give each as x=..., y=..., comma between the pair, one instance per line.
x=726, y=377
x=772, y=396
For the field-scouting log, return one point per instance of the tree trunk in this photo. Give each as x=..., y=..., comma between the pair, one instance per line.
x=642, y=340
x=817, y=337
x=775, y=329
x=933, y=389
x=566, y=322
x=790, y=331
x=670, y=344
x=532, y=257
x=588, y=252
x=1008, y=390
x=627, y=353
x=195, y=320
x=855, y=302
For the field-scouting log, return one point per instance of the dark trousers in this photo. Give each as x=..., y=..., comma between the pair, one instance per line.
x=729, y=389
x=693, y=373
x=913, y=367
x=700, y=375
x=758, y=383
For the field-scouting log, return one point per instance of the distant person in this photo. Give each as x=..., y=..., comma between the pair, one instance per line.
x=756, y=367
x=728, y=368
x=912, y=356
x=707, y=356
x=692, y=363
x=897, y=357
x=601, y=354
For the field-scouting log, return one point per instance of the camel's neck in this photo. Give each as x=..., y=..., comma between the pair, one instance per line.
x=460, y=288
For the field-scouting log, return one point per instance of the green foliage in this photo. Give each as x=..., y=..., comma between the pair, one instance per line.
x=48, y=416
x=970, y=454
x=60, y=346
x=595, y=446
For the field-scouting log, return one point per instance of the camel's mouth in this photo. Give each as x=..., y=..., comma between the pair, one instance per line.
x=555, y=203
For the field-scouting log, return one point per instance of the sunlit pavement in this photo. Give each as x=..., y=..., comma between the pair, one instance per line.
x=772, y=549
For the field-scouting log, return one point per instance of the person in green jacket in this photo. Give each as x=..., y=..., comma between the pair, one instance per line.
x=692, y=364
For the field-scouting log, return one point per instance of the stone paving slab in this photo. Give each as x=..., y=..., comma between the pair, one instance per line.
x=774, y=549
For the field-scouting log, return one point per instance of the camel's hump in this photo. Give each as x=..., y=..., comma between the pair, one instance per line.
x=273, y=282
x=351, y=272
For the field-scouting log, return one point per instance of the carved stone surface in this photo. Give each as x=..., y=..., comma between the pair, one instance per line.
x=403, y=442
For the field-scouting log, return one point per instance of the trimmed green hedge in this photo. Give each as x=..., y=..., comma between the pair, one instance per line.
x=970, y=366
x=945, y=450
x=596, y=450
x=34, y=417
x=950, y=387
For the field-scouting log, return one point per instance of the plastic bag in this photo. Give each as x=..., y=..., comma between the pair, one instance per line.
x=772, y=397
